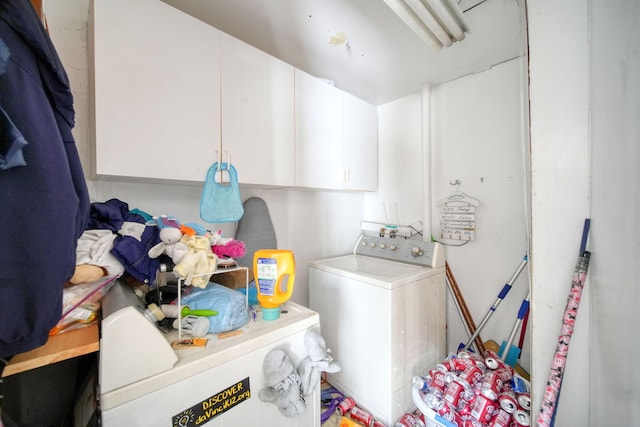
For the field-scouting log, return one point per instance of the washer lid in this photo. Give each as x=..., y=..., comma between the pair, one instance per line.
x=376, y=271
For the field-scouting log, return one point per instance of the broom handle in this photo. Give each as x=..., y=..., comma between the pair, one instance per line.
x=462, y=307
x=503, y=293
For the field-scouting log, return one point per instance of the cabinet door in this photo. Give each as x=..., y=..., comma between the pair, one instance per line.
x=157, y=91
x=257, y=114
x=360, y=144
x=318, y=133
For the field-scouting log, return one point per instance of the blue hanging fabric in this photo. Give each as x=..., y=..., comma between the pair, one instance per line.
x=221, y=201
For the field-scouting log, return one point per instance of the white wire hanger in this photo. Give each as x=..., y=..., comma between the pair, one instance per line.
x=458, y=196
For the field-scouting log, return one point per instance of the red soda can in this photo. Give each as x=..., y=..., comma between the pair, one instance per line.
x=491, y=384
x=449, y=414
x=345, y=406
x=505, y=374
x=377, y=423
x=473, y=375
x=470, y=422
x=437, y=380
x=492, y=360
x=458, y=364
x=507, y=401
x=456, y=395
x=409, y=420
x=362, y=416
x=483, y=409
x=524, y=400
x=501, y=419
x=521, y=418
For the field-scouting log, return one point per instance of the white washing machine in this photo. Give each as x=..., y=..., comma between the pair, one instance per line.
x=383, y=315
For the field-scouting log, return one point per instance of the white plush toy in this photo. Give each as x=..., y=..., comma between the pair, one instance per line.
x=282, y=384
x=318, y=361
x=170, y=235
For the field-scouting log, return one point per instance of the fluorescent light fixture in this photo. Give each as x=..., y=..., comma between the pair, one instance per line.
x=439, y=23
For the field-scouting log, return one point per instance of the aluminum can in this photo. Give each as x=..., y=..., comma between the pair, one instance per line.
x=437, y=380
x=362, y=416
x=507, y=401
x=450, y=376
x=421, y=383
x=459, y=364
x=470, y=422
x=449, y=414
x=456, y=395
x=524, y=400
x=409, y=420
x=505, y=373
x=433, y=400
x=491, y=384
x=472, y=358
x=473, y=375
x=492, y=360
x=521, y=418
x=483, y=409
x=377, y=423
x=501, y=419
x=345, y=406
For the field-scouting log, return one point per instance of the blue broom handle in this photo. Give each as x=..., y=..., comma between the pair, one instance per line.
x=503, y=293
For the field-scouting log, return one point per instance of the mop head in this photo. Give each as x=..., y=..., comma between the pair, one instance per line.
x=318, y=361
x=282, y=384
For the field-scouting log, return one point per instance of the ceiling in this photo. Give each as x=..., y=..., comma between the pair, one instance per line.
x=361, y=45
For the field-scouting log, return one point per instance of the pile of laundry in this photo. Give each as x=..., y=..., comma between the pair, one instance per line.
x=120, y=241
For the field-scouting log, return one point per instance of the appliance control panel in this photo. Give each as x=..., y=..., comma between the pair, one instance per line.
x=412, y=250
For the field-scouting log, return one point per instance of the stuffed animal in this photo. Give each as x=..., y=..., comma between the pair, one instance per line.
x=282, y=384
x=170, y=236
x=226, y=247
x=199, y=262
x=318, y=361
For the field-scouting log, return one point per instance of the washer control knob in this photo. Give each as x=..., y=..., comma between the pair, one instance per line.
x=393, y=247
x=373, y=245
x=417, y=251
x=382, y=246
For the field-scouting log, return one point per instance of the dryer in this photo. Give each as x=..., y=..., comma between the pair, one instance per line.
x=383, y=315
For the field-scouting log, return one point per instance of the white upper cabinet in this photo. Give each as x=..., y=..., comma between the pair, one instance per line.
x=173, y=95
x=157, y=91
x=318, y=133
x=257, y=114
x=360, y=144
x=336, y=137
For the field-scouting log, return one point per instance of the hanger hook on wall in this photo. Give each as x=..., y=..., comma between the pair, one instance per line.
x=456, y=182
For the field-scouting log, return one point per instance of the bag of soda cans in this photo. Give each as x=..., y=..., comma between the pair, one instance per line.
x=471, y=390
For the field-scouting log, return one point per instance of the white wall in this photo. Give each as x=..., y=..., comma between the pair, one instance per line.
x=400, y=171
x=560, y=156
x=615, y=160
x=476, y=138
x=313, y=225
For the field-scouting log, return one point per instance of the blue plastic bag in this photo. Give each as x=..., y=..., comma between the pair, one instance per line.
x=230, y=305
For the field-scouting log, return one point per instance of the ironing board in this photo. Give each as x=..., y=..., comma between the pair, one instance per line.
x=255, y=229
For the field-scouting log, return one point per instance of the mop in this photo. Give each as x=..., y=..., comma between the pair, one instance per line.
x=503, y=293
x=546, y=417
x=509, y=353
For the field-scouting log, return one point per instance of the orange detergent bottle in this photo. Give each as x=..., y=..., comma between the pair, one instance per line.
x=274, y=272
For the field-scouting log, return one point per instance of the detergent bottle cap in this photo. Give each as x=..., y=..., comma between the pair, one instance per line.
x=270, y=313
